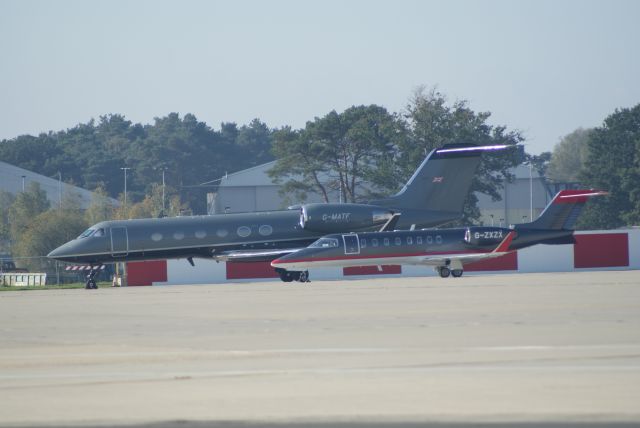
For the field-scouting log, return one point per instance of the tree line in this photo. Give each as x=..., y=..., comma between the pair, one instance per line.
x=605, y=158
x=91, y=155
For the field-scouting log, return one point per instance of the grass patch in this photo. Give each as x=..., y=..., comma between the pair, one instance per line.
x=102, y=284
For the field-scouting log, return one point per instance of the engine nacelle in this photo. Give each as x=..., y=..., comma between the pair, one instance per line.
x=479, y=236
x=336, y=218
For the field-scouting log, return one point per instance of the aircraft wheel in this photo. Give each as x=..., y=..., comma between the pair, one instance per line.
x=456, y=273
x=444, y=271
x=304, y=276
x=286, y=276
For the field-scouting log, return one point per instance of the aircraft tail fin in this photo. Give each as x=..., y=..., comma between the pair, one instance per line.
x=563, y=211
x=442, y=181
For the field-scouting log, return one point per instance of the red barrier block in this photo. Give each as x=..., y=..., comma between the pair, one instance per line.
x=601, y=250
x=372, y=270
x=250, y=270
x=146, y=273
x=506, y=262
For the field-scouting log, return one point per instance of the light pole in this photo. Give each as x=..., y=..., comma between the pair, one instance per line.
x=530, y=191
x=59, y=190
x=491, y=215
x=125, y=169
x=23, y=178
x=163, y=190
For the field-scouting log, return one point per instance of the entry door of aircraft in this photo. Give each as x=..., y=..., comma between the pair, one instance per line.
x=119, y=242
x=351, y=244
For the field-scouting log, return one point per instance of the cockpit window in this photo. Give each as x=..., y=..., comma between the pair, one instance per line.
x=92, y=232
x=87, y=233
x=325, y=243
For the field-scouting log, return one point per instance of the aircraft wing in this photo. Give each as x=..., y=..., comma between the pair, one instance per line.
x=463, y=259
x=254, y=255
x=459, y=260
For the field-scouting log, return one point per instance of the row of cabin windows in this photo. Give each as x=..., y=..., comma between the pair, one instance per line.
x=419, y=240
x=242, y=231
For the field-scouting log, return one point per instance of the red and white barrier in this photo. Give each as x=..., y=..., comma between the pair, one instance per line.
x=593, y=250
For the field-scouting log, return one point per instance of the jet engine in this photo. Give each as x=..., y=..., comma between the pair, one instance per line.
x=335, y=218
x=485, y=236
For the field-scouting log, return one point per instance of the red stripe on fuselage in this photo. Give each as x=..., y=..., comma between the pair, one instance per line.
x=377, y=256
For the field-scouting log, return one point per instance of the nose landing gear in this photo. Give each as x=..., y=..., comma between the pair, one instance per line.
x=90, y=284
x=290, y=276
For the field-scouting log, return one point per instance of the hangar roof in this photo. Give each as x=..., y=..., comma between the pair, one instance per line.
x=11, y=181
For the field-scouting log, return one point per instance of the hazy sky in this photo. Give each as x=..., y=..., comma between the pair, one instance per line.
x=542, y=67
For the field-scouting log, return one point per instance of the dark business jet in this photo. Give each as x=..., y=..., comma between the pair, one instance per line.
x=447, y=250
x=434, y=195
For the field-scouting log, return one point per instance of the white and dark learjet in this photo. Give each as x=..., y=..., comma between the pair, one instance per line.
x=446, y=250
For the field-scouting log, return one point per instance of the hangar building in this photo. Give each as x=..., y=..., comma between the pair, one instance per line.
x=14, y=179
x=253, y=190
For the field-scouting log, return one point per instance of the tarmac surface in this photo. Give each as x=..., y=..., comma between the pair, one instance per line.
x=523, y=350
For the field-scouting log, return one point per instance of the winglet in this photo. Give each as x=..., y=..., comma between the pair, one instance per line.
x=506, y=242
x=391, y=223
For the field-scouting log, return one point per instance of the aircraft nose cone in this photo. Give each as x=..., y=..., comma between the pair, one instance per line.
x=60, y=253
x=55, y=253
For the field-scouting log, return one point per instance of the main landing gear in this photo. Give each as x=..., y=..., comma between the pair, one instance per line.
x=444, y=272
x=290, y=276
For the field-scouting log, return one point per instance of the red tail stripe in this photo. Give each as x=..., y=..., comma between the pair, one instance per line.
x=576, y=196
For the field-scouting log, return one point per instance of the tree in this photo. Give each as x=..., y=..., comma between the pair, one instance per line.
x=151, y=205
x=101, y=208
x=6, y=200
x=255, y=138
x=336, y=152
x=433, y=123
x=28, y=204
x=45, y=232
x=569, y=156
x=613, y=164
x=540, y=162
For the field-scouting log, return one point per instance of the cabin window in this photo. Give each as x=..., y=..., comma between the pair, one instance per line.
x=325, y=243
x=438, y=239
x=243, y=231
x=363, y=243
x=178, y=236
x=386, y=242
x=374, y=242
x=156, y=237
x=265, y=230
x=409, y=240
x=419, y=240
x=429, y=239
x=398, y=241
x=222, y=233
x=200, y=234
x=99, y=233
